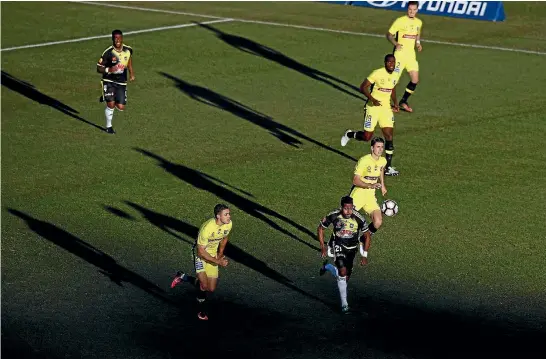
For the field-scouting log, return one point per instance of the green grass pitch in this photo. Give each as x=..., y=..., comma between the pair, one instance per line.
x=249, y=113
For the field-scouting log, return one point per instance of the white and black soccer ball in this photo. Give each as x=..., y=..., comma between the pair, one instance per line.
x=389, y=208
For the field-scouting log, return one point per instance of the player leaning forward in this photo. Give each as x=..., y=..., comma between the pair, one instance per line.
x=350, y=232
x=369, y=175
x=208, y=254
x=405, y=35
x=113, y=65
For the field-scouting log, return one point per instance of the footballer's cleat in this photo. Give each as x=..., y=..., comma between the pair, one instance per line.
x=202, y=316
x=110, y=130
x=404, y=106
x=323, y=268
x=345, y=309
x=177, y=279
x=391, y=171
x=345, y=139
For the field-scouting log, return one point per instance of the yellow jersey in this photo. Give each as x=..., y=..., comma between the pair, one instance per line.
x=210, y=235
x=382, y=84
x=369, y=171
x=406, y=30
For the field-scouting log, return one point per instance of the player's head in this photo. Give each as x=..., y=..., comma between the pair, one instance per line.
x=222, y=214
x=117, y=38
x=390, y=62
x=413, y=7
x=378, y=145
x=347, y=206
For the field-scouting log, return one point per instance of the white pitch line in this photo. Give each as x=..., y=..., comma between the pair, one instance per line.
x=108, y=36
x=308, y=27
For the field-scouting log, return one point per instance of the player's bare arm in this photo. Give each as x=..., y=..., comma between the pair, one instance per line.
x=365, y=243
x=395, y=107
x=204, y=255
x=382, y=180
x=365, y=89
x=130, y=67
x=320, y=235
x=222, y=246
x=393, y=41
x=418, y=45
x=357, y=181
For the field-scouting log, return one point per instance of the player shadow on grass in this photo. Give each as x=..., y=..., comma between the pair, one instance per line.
x=418, y=331
x=254, y=48
x=284, y=133
x=28, y=90
x=210, y=184
x=106, y=264
x=175, y=226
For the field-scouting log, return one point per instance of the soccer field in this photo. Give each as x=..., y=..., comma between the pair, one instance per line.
x=245, y=104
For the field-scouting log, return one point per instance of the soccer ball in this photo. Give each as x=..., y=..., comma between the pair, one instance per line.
x=389, y=208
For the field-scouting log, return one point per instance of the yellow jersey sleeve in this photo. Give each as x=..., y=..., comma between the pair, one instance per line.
x=373, y=77
x=204, y=233
x=396, y=25
x=361, y=166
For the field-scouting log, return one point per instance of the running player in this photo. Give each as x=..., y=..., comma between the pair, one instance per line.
x=113, y=65
x=350, y=232
x=208, y=254
x=369, y=176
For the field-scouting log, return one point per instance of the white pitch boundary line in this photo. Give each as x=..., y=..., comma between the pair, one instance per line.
x=307, y=27
x=107, y=36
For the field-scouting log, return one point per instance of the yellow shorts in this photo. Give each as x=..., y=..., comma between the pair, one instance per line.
x=211, y=270
x=405, y=62
x=364, y=199
x=378, y=114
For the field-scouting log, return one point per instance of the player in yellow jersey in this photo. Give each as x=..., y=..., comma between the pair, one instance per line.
x=405, y=35
x=113, y=65
x=369, y=176
x=380, y=89
x=208, y=254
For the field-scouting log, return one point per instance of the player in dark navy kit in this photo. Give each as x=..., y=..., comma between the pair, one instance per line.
x=113, y=65
x=349, y=234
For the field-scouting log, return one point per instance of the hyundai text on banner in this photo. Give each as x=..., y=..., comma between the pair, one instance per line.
x=477, y=10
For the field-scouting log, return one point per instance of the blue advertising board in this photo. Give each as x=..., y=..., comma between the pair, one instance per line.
x=477, y=10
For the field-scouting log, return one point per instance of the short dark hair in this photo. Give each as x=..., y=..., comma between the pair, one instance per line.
x=388, y=56
x=376, y=140
x=219, y=208
x=116, y=32
x=346, y=200
x=416, y=3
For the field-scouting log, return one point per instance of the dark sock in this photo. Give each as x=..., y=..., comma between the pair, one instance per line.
x=372, y=228
x=192, y=280
x=357, y=135
x=409, y=90
x=389, y=152
x=201, y=300
x=389, y=159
